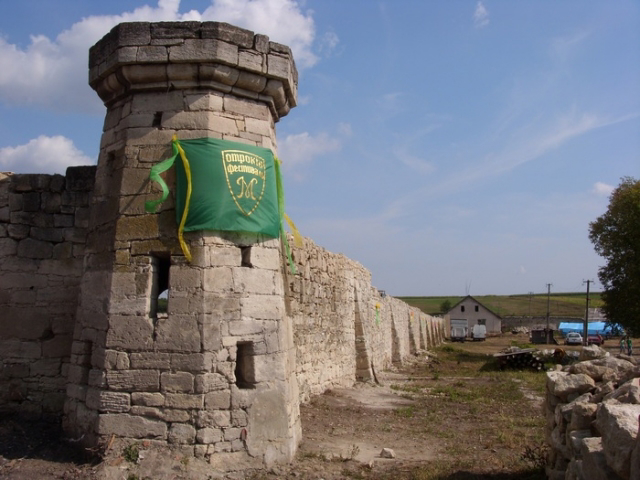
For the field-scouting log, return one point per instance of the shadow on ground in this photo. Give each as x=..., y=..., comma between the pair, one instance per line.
x=37, y=439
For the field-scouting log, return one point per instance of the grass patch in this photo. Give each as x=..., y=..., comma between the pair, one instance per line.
x=406, y=412
x=561, y=304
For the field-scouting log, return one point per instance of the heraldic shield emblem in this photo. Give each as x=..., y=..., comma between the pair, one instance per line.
x=245, y=173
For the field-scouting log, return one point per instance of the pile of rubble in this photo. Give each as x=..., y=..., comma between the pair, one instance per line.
x=592, y=410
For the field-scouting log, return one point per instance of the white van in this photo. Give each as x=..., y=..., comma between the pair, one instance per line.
x=479, y=333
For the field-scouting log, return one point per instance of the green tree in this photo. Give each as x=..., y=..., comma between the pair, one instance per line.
x=616, y=237
x=445, y=306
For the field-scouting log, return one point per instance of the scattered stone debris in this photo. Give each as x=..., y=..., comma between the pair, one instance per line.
x=592, y=410
x=387, y=453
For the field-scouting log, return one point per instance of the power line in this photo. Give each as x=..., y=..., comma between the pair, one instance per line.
x=585, y=328
x=548, y=308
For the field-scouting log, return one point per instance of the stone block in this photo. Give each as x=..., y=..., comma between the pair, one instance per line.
x=47, y=367
x=130, y=332
x=220, y=400
x=210, y=382
x=246, y=108
x=228, y=33
x=8, y=247
x=204, y=101
x=147, y=399
x=209, y=435
x=78, y=374
x=31, y=202
x=232, y=433
x=205, y=50
x=246, y=326
x=151, y=53
x=14, y=370
x=180, y=433
x=97, y=378
x=253, y=62
x=184, y=401
x=264, y=307
x=594, y=461
x=31, y=248
x=189, y=362
x=130, y=426
x=14, y=348
x=239, y=418
x=54, y=235
x=181, y=382
x=253, y=281
x=189, y=120
x=184, y=277
x=179, y=333
x=618, y=425
x=223, y=76
x=265, y=128
x=562, y=384
x=140, y=227
x=150, y=360
x=105, y=401
x=24, y=323
x=173, y=415
x=213, y=418
x=134, y=380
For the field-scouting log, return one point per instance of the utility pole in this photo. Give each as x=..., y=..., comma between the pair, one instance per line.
x=585, y=328
x=548, y=310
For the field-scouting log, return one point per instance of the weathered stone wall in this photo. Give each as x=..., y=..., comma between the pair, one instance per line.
x=43, y=224
x=344, y=329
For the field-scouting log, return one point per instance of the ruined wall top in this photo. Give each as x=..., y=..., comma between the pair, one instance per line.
x=163, y=56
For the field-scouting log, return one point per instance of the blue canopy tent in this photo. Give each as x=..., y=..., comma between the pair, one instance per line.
x=593, y=328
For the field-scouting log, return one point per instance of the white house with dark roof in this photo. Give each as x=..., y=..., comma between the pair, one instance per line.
x=475, y=313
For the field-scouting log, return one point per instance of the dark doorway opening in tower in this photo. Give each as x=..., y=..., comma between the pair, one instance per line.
x=245, y=365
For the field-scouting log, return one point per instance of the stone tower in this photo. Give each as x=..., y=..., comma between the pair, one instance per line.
x=214, y=374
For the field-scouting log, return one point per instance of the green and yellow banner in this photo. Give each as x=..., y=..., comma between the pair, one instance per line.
x=223, y=185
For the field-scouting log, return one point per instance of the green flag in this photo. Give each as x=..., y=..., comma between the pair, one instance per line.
x=233, y=187
x=223, y=185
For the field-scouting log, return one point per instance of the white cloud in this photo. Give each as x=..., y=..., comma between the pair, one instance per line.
x=52, y=73
x=602, y=189
x=328, y=43
x=301, y=148
x=413, y=162
x=43, y=155
x=480, y=16
x=281, y=20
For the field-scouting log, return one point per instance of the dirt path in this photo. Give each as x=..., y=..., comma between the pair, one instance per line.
x=445, y=417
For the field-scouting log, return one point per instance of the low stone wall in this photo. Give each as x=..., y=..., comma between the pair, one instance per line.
x=344, y=329
x=43, y=221
x=592, y=409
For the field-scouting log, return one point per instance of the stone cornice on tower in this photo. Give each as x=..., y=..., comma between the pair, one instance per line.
x=164, y=56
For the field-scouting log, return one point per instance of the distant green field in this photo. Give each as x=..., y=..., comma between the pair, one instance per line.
x=560, y=305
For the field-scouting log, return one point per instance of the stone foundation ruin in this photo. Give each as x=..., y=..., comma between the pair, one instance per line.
x=592, y=410
x=244, y=340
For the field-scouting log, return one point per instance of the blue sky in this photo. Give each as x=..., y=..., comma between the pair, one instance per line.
x=450, y=147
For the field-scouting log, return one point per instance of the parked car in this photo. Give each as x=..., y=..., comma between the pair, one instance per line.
x=595, y=340
x=573, y=338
